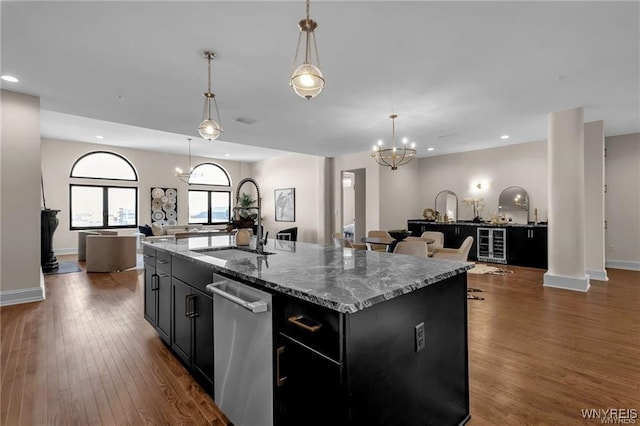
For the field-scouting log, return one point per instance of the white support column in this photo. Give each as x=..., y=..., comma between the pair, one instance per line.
x=566, y=238
x=594, y=200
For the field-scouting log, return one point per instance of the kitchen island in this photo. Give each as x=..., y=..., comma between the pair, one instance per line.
x=359, y=337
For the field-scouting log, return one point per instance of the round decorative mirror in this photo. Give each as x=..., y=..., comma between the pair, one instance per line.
x=514, y=205
x=447, y=204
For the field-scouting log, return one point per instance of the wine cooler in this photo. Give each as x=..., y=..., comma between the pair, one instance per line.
x=492, y=245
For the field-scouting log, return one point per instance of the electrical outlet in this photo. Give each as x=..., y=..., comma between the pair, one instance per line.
x=419, y=336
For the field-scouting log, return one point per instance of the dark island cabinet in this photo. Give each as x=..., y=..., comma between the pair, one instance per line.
x=365, y=368
x=181, y=335
x=181, y=313
x=150, y=287
x=157, y=292
x=527, y=246
x=308, y=386
x=163, y=295
x=192, y=317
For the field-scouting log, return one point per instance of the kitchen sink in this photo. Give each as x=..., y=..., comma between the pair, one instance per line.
x=232, y=253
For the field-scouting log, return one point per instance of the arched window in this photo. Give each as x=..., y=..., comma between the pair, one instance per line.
x=103, y=206
x=209, y=174
x=103, y=165
x=210, y=206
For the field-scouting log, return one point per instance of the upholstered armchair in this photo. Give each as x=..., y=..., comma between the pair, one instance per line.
x=110, y=253
x=461, y=253
x=82, y=241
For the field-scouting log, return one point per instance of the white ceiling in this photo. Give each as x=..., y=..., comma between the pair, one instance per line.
x=458, y=74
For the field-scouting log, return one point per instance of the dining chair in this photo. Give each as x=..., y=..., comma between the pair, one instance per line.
x=337, y=239
x=377, y=234
x=412, y=247
x=289, y=234
x=351, y=244
x=438, y=240
x=461, y=253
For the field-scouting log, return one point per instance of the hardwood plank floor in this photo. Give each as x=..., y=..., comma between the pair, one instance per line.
x=541, y=355
x=86, y=356
x=536, y=355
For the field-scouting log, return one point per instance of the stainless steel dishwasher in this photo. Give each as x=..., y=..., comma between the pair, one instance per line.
x=243, y=356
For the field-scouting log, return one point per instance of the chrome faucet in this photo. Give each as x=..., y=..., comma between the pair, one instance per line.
x=259, y=241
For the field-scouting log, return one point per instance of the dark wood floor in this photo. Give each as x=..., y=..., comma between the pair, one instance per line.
x=537, y=355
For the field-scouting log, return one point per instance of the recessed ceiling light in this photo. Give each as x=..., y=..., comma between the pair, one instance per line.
x=430, y=149
x=10, y=78
x=503, y=137
x=227, y=155
x=99, y=137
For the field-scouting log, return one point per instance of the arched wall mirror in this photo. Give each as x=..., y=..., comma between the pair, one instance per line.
x=447, y=203
x=514, y=204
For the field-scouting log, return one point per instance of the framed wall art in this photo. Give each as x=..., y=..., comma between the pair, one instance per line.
x=285, y=201
x=164, y=206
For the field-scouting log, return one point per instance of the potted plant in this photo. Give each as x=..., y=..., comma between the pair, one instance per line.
x=476, y=204
x=246, y=216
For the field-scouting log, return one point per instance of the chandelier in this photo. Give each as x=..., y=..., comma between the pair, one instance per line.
x=209, y=128
x=185, y=176
x=307, y=79
x=394, y=157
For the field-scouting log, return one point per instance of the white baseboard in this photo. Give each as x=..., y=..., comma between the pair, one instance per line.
x=26, y=295
x=623, y=264
x=71, y=250
x=566, y=283
x=600, y=275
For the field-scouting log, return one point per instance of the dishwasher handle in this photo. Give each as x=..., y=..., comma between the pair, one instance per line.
x=255, y=307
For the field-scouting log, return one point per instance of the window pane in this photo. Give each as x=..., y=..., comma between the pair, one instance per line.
x=220, y=202
x=209, y=174
x=103, y=165
x=86, y=206
x=198, y=207
x=122, y=206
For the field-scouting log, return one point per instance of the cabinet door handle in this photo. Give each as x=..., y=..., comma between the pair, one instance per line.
x=304, y=323
x=160, y=274
x=187, y=306
x=146, y=256
x=154, y=282
x=279, y=378
x=194, y=306
x=162, y=261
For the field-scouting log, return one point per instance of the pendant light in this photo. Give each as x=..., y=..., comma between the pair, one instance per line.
x=307, y=79
x=186, y=176
x=209, y=128
x=393, y=157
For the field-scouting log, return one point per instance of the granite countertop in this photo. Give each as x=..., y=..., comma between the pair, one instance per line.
x=483, y=224
x=341, y=279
